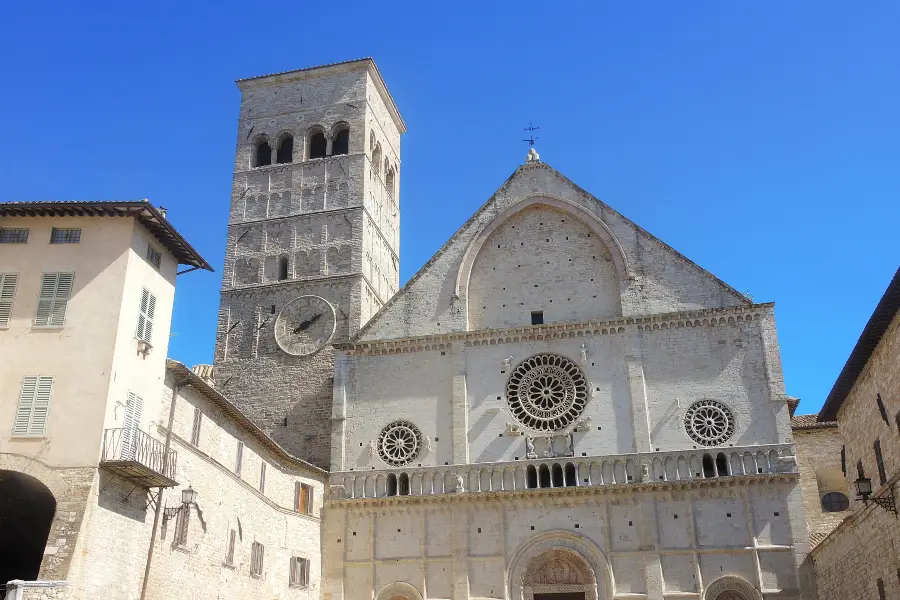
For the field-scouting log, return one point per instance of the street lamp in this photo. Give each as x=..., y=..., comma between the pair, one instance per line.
x=188, y=498
x=864, y=493
x=189, y=495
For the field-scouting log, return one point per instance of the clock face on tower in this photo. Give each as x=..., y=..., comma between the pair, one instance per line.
x=305, y=325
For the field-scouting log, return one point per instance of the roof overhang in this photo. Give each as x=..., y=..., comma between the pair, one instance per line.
x=146, y=214
x=881, y=319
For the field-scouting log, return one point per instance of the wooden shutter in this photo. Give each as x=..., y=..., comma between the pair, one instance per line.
x=56, y=288
x=239, y=462
x=34, y=406
x=304, y=572
x=229, y=555
x=298, y=499
x=8, y=284
x=309, y=499
x=181, y=526
x=262, y=478
x=195, y=432
x=879, y=460
x=145, y=316
x=132, y=422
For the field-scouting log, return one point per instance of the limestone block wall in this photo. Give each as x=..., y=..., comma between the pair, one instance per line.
x=819, y=463
x=652, y=543
x=641, y=380
x=264, y=381
x=659, y=280
x=111, y=553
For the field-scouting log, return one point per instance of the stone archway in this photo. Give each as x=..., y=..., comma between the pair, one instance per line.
x=559, y=575
x=558, y=565
x=27, y=509
x=731, y=587
x=399, y=590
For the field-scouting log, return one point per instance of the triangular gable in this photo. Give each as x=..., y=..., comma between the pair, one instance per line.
x=655, y=278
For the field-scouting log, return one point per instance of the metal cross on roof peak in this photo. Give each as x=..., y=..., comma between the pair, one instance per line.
x=531, y=139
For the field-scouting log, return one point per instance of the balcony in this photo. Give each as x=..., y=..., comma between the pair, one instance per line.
x=561, y=472
x=136, y=456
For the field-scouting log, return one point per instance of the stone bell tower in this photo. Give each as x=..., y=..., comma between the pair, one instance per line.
x=313, y=242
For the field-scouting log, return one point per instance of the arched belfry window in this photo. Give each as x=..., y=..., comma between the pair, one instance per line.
x=317, y=145
x=262, y=153
x=285, y=153
x=376, y=159
x=341, y=143
x=282, y=268
x=389, y=180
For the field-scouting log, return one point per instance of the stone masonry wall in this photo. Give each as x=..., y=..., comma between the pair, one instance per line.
x=654, y=544
x=819, y=462
x=864, y=548
x=333, y=223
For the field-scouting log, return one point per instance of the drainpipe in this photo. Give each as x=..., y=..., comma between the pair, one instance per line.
x=159, y=500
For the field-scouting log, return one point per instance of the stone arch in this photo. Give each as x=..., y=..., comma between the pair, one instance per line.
x=316, y=144
x=340, y=138
x=557, y=555
x=607, y=263
x=284, y=147
x=576, y=210
x=260, y=151
x=731, y=583
x=399, y=590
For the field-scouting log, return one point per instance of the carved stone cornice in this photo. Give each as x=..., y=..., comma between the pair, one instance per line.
x=711, y=317
x=574, y=494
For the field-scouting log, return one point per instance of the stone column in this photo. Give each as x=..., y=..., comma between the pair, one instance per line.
x=339, y=409
x=329, y=142
x=638, y=392
x=460, y=408
x=653, y=574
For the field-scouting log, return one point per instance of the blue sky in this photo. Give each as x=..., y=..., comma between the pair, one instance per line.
x=759, y=139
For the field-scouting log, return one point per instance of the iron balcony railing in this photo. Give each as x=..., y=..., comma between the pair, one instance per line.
x=138, y=455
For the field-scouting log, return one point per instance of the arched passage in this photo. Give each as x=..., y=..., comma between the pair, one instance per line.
x=26, y=513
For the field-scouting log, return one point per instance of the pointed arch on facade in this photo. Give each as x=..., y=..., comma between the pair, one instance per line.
x=577, y=211
x=585, y=559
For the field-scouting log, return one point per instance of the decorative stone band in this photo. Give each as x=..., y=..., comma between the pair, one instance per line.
x=703, y=466
x=714, y=317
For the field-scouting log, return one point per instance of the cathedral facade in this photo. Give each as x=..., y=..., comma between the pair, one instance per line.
x=557, y=406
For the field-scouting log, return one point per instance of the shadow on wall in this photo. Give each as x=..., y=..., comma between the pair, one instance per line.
x=122, y=498
x=27, y=508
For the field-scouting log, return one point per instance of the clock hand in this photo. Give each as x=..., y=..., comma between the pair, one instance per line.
x=307, y=323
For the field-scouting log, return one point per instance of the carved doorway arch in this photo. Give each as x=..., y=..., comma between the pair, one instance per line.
x=399, y=590
x=559, y=571
x=731, y=587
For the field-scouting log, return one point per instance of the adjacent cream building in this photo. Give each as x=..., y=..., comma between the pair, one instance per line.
x=101, y=434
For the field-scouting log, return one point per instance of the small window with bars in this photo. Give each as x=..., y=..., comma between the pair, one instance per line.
x=262, y=478
x=195, y=430
x=56, y=288
x=239, y=460
x=299, y=571
x=154, y=257
x=34, y=406
x=182, y=521
x=303, y=498
x=229, y=553
x=13, y=236
x=8, y=284
x=257, y=552
x=147, y=308
x=65, y=236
